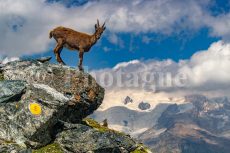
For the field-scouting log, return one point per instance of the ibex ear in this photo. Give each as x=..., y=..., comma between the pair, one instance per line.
x=95, y=26
x=104, y=28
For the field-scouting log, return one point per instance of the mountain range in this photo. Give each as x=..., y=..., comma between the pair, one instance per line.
x=199, y=125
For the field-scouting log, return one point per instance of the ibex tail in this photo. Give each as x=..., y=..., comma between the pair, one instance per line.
x=51, y=34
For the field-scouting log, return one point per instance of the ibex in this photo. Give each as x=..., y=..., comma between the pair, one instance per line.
x=75, y=40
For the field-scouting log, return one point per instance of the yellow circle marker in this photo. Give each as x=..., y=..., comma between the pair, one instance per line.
x=35, y=108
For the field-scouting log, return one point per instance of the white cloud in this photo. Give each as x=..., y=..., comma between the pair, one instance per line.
x=126, y=64
x=219, y=25
x=106, y=49
x=25, y=24
x=114, y=39
x=146, y=39
x=207, y=72
x=209, y=68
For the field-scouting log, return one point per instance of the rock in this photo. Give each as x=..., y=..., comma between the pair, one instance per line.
x=18, y=124
x=84, y=94
x=11, y=90
x=49, y=92
x=144, y=106
x=89, y=139
x=44, y=59
x=128, y=100
x=92, y=137
x=9, y=147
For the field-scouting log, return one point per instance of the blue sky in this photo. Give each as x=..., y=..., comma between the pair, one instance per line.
x=142, y=46
x=136, y=29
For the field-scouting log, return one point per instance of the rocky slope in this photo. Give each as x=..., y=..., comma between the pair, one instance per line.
x=130, y=121
x=201, y=126
x=43, y=107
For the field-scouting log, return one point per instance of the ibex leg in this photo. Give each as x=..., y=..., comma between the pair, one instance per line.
x=57, y=51
x=81, y=53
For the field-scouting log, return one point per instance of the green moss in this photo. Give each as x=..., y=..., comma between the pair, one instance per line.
x=52, y=148
x=94, y=124
x=141, y=149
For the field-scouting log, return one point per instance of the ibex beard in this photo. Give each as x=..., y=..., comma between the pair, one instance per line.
x=74, y=40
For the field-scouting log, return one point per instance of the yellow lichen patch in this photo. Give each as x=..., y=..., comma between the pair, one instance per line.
x=52, y=148
x=35, y=108
x=16, y=105
x=91, y=95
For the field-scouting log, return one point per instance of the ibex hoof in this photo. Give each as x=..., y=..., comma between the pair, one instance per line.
x=80, y=68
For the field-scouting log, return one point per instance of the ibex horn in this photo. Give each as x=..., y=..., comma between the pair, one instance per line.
x=103, y=25
x=98, y=23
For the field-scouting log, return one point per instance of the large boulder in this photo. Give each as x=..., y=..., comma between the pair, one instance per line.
x=82, y=91
x=91, y=137
x=34, y=96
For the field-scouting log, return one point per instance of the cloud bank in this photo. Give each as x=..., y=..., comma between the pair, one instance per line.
x=25, y=24
x=206, y=72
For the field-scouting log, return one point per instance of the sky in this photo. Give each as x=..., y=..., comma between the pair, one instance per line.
x=191, y=37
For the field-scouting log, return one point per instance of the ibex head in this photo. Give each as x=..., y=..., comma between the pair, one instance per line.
x=99, y=29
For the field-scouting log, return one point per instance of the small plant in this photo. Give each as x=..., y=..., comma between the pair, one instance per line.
x=141, y=149
x=94, y=124
x=52, y=148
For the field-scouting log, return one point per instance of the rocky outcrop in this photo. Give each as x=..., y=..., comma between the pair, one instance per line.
x=91, y=136
x=144, y=106
x=80, y=91
x=128, y=100
x=43, y=105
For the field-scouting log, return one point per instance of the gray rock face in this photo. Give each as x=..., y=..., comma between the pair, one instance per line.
x=144, y=106
x=10, y=90
x=46, y=86
x=128, y=100
x=83, y=93
x=44, y=59
x=89, y=139
x=42, y=105
x=19, y=124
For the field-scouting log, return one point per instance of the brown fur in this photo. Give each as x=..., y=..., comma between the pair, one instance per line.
x=74, y=40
